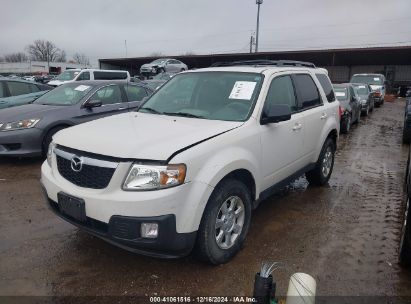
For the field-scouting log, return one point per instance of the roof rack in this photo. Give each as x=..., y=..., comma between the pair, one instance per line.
x=278, y=63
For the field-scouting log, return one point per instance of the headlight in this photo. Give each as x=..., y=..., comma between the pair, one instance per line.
x=150, y=177
x=17, y=125
x=50, y=152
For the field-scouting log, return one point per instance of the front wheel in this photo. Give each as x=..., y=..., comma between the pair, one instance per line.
x=405, y=242
x=346, y=125
x=367, y=111
x=225, y=223
x=322, y=171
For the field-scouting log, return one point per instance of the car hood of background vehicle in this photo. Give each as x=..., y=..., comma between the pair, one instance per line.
x=28, y=111
x=141, y=135
x=149, y=65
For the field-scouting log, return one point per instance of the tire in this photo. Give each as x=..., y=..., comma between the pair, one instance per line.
x=345, y=126
x=48, y=138
x=367, y=111
x=207, y=248
x=321, y=173
x=405, y=242
x=358, y=117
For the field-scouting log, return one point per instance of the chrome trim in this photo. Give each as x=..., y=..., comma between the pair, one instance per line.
x=86, y=160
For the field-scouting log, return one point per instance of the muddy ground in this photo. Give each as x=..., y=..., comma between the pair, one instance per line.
x=346, y=235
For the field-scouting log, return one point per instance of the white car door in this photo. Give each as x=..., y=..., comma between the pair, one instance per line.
x=315, y=113
x=282, y=142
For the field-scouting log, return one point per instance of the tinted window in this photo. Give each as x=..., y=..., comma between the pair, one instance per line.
x=369, y=79
x=361, y=89
x=341, y=93
x=108, y=95
x=327, y=87
x=281, y=92
x=18, y=88
x=135, y=93
x=308, y=92
x=100, y=75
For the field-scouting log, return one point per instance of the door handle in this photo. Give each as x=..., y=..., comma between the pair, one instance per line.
x=297, y=127
x=324, y=116
x=121, y=109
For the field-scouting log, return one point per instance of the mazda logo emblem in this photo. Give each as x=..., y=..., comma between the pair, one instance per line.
x=76, y=163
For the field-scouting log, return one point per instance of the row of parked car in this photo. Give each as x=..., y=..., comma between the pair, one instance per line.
x=182, y=171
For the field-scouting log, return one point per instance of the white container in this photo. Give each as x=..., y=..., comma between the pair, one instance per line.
x=301, y=289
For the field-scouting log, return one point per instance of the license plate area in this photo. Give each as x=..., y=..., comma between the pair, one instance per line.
x=72, y=206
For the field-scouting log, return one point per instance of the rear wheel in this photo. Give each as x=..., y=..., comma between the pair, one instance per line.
x=406, y=133
x=346, y=125
x=367, y=111
x=324, y=166
x=225, y=222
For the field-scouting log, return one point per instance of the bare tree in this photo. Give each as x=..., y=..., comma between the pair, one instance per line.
x=16, y=57
x=44, y=50
x=81, y=59
x=61, y=57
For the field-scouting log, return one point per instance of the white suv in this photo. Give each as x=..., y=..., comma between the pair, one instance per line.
x=186, y=170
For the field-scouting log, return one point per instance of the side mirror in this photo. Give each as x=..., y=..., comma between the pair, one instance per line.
x=276, y=113
x=95, y=103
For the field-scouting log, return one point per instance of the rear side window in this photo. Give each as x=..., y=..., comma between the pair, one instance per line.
x=307, y=91
x=281, y=92
x=135, y=93
x=18, y=88
x=101, y=75
x=34, y=88
x=108, y=95
x=327, y=86
x=84, y=76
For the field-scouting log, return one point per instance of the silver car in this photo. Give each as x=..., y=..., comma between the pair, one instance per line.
x=163, y=65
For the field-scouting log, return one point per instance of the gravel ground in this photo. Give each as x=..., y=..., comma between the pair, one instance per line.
x=346, y=234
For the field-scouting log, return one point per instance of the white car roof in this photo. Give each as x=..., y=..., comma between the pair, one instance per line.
x=257, y=69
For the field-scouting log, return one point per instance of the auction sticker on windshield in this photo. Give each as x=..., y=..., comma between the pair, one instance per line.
x=82, y=88
x=243, y=90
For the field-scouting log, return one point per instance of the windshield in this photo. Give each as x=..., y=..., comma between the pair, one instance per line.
x=158, y=61
x=341, y=93
x=226, y=96
x=65, y=95
x=67, y=75
x=368, y=79
x=361, y=89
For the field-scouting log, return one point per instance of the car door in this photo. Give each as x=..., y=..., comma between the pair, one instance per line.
x=315, y=113
x=135, y=95
x=281, y=142
x=112, y=102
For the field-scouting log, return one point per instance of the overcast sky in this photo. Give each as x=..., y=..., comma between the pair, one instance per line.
x=99, y=28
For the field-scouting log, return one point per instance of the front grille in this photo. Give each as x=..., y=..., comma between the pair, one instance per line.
x=90, y=176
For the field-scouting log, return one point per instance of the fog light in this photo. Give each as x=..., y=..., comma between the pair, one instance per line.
x=149, y=230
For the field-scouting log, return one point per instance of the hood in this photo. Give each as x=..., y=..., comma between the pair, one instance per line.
x=26, y=112
x=140, y=135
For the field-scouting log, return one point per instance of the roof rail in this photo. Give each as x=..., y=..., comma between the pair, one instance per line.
x=262, y=62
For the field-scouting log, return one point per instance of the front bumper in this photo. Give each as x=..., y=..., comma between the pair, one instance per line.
x=124, y=232
x=26, y=142
x=178, y=211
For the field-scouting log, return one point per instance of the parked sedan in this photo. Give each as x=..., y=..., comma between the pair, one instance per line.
x=366, y=95
x=27, y=130
x=350, y=105
x=14, y=92
x=163, y=65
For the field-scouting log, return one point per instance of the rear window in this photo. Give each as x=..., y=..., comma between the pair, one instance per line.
x=327, y=86
x=368, y=79
x=307, y=90
x=341, y=93
x=103, y=75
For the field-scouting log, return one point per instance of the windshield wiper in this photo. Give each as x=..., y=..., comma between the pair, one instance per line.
x=183, y=114
x=151, y=110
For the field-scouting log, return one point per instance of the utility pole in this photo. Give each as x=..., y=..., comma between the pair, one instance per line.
x=251, y=43
x=125, y=44
x=258, y=2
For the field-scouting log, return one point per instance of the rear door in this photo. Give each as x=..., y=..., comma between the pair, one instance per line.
x=113, y=102
x=315, y=113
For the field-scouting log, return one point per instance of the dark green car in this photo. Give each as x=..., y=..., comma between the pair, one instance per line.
x=16, y=92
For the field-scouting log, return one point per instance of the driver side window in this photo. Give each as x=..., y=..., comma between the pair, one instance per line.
x=108, y=95
x=281, y=92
